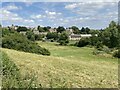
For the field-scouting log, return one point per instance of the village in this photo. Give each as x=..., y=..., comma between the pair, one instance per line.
x=72, y=35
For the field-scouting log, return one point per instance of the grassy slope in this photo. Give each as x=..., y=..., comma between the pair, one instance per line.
x=68, y=67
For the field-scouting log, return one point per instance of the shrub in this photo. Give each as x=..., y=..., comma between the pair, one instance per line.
x=63, y=39
x=99, y=45
x=117, y=54
x=52, y=35
x=20, y=42
x=83, y=42
x=96, y=52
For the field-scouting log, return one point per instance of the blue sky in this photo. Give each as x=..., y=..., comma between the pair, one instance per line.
x=94, y=15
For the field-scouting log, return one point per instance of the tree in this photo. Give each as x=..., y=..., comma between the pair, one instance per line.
x=60, y=29
x=93, y=40
x=83, y=42
x=110, y=36
x=53, y=35
x=83, y=30
x=75, y=30
x=39, y=37
x=45, y=29
x=40, y=29
x=21, y=29
x=87, y=30
x=63, y=39
x=30, y=35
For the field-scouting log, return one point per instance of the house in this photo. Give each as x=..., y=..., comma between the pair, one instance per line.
x=75, y=37
x=79, y=36
x=69, y=31
x=35, y=31
x=52, y=30
x=23, y=32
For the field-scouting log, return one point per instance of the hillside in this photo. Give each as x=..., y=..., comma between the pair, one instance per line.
x=68, y=66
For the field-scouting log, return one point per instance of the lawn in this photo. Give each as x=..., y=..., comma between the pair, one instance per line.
x=68, y=66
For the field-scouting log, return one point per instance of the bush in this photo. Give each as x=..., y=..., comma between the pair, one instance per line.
x=96, y=52
x=83, y=42
x=52, y=35
x=99, y=45
x=117, y=54
x=20, y=42
x=63, y=39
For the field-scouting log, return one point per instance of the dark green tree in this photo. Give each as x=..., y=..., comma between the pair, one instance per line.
x=22, y=29
x=53, y=35
x=63, y=38
x=30, y=35
x=60, y=29
x=83, y=30
x=75, y=30
x=40, y=29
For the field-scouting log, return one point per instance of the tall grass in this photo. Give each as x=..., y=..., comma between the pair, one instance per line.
x=12, y=78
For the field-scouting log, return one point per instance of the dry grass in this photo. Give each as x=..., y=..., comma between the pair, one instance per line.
x=68, y=67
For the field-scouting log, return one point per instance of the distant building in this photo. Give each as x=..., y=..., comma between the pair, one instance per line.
x=79, y=36
x=69, y=31
x=35, y=31
x=23, y=32
x=75, y=37
x=52, y=30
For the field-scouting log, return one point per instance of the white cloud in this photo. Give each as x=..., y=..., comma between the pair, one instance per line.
x=11, y=17
x=7, y=15
x=71, y=6
x=52, y=13
x=11, y=7
x=29, y=21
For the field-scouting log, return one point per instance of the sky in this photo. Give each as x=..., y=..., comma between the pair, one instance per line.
x=95, y=15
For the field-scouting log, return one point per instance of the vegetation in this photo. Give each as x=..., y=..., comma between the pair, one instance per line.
x=83, y=42
x=60, y=29
x=12, y=77
x=20, y=42
x=63, y=38
x=68, y=67
x=108, y=38
x=53, y=35
x=75, y=30
x=30, y=35
x=21, y=29
x=117, y=53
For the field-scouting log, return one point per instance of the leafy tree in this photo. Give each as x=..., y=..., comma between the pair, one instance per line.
x=21, y=29
x=110, y=36
x=30, y=35
x=75, y=30
x=82, y=42
x=45, y=29
x=40, y=29
x=48, y=27
x=60, y=29
x=87, y=30
x=93, y=40
x=63, y=38
x=83, y=30
x=53, y=35
x=39, y=37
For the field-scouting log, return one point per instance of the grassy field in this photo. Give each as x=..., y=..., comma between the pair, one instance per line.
x=68, y=66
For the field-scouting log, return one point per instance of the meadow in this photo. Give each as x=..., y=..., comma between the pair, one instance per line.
x=68, y=66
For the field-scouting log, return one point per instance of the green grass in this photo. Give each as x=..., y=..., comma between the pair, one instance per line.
x=68, y=66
